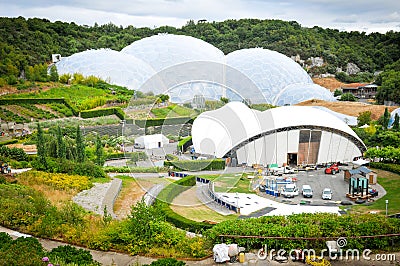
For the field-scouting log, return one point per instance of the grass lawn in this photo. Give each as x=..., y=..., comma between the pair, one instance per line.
x=189, y=206
x=173, y=110
x=391, y=183
x=231, y=183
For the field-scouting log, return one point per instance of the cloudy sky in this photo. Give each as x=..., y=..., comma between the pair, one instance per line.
x=361, y=15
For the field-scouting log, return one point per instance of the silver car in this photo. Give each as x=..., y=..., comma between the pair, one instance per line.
x=327, y=194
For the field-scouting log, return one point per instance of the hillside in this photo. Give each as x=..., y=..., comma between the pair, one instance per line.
x=350, y=108
x=330, y=83
x=27, y=42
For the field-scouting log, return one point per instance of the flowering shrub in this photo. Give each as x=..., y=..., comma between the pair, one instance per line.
x=56, y=180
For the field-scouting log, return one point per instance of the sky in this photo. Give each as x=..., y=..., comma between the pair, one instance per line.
x=346, y=15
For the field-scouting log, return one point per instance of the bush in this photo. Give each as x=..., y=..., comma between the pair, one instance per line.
x=128, y=169
x=70, y=254
x=197, y=165
x=167, y=195
x=164, y=121
x=22, y=251
x=13, y=153
x=394, y=168
x=56, y=180
x=86, y=168
x=167, y=262
x=104, y=112
x=183, y=144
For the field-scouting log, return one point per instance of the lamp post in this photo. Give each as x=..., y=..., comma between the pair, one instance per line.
x=387, y=202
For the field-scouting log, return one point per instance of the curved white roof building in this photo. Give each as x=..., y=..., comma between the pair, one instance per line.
x=290, y=134
x=185, y=67
x=392, y=116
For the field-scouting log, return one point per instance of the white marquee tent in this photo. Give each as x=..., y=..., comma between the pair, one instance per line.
x=290, y=134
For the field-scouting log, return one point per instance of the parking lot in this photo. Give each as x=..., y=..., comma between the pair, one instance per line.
x=318, y=180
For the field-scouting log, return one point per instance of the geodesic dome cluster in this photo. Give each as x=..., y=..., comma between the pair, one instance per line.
x=200, y=69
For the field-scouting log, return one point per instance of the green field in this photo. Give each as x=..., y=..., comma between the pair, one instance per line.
x=391, y=183
x=173, y=110
x=231, y=183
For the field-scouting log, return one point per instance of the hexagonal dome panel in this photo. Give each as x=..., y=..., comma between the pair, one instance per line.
x=109, y=65
x=165, y=50
x=296, y=93
x=270, y=71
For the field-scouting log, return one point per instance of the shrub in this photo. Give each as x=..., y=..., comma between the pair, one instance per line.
x=22, y=251
x=167, y=262
x=104, y=112
x=70, y=254
x=164, y=121
x=56, y=180
x=13, y=153
x=395, y=168
x=197, y=165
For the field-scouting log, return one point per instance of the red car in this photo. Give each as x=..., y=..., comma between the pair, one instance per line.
x=332, y=169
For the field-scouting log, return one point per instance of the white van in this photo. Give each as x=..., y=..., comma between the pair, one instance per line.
x=290, y=191
x=307, y=192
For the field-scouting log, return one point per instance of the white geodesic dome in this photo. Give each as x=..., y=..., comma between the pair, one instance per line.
x=392, y=115
x=281, y=80
x=300, y=92
x=165, y=50
x=109, y=65
x=184, y=67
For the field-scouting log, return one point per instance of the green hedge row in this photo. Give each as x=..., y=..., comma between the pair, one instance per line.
x=164, y=121
x=395, y=168
x=131, y=169
x=104, y=112
x=184, y=143
x=10, y=141
x=19, y=101
x=197, y=165
x=168, y=194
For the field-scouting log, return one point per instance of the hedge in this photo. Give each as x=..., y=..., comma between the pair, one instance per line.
x=168, y=194
x=185, y=143
x=103, y=112
x=395, y=168
x=10, y=141
x=197, y=165
x=131, y=169
x=164, y=121
x=19, y=101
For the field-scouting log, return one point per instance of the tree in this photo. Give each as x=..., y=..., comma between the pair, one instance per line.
x=80, y=145
x=53, y=74
x=99, y=151
x=337, y=93
x=396, y=125
x=224, y=100
x=61, y=148
x=348, y=97
x=40, y=146
x=386, y=118
x=364, y=118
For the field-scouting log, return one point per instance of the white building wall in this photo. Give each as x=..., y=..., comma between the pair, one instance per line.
x=270, y=149
x=293, y=143
x=324, y=147
x=282, y=147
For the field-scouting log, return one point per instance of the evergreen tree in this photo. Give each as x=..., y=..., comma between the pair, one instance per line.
x=80, y=145
x=99, y=151
x=53, y=74
x=386, y=117
x=396, y=124
x=61, y=148
x=40, y=146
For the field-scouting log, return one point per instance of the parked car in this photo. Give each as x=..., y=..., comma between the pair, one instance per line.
x=282, y=170
x=332, y=169
x=327, y=194
x=307, y=191
x=138, y=146
x=290, y=191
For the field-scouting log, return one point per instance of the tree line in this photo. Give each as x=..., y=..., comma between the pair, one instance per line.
x=25, y=43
